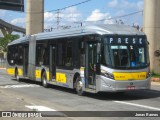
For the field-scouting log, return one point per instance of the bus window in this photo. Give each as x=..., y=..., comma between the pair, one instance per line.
x=82, y=60
x=59, y=54
x=42, y=55
x=20, y=55
x=45, y=56
x=123, y=55
x=38, y=55
x=12, y=56
x=68, y=58
x=64, y=54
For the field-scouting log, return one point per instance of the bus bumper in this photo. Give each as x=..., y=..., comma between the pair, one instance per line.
x=109, y=85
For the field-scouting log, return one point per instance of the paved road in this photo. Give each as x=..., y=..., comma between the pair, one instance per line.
x=31, y=96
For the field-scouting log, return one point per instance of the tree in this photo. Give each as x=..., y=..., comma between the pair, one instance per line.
x=7, y=39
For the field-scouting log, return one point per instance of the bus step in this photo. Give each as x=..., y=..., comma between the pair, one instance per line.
x=90, y=90
x=53, y=80
x=92, y=86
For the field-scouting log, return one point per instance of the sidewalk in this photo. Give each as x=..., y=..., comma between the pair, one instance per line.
x=2, y=68
x=155, y=81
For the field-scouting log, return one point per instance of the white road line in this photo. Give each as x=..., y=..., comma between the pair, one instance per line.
x=138, y=105
x=39, y=108
x=46, y=111
x=19, y=86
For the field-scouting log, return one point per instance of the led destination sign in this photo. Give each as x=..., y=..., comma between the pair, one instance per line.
x=124, y=40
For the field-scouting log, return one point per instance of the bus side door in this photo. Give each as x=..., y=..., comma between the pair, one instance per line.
x=90, y=67
x=52, y=62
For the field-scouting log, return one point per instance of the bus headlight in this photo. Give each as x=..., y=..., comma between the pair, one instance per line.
x=107, y=74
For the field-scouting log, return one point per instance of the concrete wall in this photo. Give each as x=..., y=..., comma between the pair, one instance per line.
x=152, y=30
x=35, y=16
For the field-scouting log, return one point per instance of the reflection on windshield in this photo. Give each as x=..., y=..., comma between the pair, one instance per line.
x=124, y=56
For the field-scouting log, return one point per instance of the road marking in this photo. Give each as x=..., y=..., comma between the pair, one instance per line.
x=138, y=105
x=19, y=86
x=46, y=111
x=39, y=108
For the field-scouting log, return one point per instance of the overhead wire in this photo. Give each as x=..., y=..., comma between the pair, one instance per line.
x=116, y=17
x=70, y=6
x=126, y=15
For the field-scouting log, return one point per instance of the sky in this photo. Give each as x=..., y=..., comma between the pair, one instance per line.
x=92, y=12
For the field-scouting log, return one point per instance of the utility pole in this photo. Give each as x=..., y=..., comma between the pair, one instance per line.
x=58, y=19
x=152, y=30
x=35, y=16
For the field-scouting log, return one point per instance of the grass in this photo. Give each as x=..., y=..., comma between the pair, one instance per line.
x=155, y=75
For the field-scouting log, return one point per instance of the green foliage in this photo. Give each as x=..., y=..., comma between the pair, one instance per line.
x=7, y=39
x=154, y=74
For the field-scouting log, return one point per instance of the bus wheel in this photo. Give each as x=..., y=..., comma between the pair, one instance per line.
x=44, y=80
x=17, y=76
x=79, y=86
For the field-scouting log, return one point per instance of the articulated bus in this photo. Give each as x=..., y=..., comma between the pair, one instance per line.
x=102, y=58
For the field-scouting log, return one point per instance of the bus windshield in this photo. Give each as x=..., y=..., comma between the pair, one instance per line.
x=125, y=53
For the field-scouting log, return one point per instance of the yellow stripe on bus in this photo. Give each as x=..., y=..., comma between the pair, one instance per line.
x=48, y=77
x=11, y=71
x=38, y=74
x=82, y=69
x=20, y=72
x=130, y=76
x=61, y=77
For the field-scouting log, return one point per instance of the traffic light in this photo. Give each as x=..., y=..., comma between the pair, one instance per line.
x=15, y=5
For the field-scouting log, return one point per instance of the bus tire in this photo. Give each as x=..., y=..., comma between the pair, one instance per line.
x=79, y=87
x=16, y=75
x=44, y=80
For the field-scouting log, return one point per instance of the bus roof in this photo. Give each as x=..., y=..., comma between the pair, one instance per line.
x=108, y=29
x=20, y=40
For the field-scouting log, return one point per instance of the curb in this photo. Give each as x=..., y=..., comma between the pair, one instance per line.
x=2, y=68
x=155, y=83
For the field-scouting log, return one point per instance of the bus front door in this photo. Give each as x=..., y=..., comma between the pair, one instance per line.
x=90, y=68
x=52, y=63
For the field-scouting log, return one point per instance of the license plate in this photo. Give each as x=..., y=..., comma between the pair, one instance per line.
x=130, y=87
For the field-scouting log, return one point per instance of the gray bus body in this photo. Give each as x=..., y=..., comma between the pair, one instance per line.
x=109, y=58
